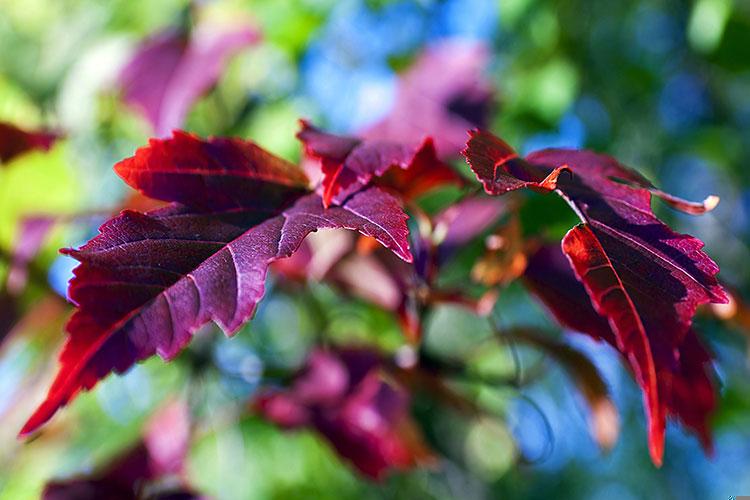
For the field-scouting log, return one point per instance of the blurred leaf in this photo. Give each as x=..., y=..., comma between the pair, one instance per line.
x=604, y=421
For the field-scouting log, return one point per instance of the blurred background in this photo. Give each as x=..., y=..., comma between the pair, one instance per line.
x=663, y=85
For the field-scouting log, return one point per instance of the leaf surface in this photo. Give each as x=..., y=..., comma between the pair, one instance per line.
x=148, y=281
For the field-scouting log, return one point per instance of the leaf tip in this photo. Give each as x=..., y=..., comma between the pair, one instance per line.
x=549, y=183
x=656, y=447
x=36, y=420
x=711, y=202
x=304, y=126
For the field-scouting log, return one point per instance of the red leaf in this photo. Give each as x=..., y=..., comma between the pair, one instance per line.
x=460, y=98
x=683, y=386
x=345, y=396
x=348, y=163
x=148, y=281
x=171, y=70
x=15, y=141
x=643, y=277
x=612, y=300
x=215, y=174
x=500, y=170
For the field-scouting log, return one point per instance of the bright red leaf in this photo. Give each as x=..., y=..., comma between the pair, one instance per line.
x=681, y=377
x=644, y=278
x=348, y=163
x=148, y=281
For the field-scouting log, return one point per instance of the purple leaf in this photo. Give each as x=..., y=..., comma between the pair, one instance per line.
x=443, y=94
x=345, y=397
x=347, y=164
x=171, y=70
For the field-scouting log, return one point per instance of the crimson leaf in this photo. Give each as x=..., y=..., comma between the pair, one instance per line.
x=644, y=278
x=682, y=376
x=348, y=163
x=148, y=281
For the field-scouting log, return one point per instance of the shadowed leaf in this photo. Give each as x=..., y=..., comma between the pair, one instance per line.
x=644, y=278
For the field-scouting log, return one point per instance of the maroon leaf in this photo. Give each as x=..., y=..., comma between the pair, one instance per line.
x=549, y=275
x=443, y=106
x=348, y=163
x=15, y=141
x=345, y=396
x=148, y=281
x=220, y=174
x=644, y=278
x=172, y=69
x=611, y=299
x=679, y=380
x=500, y=170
